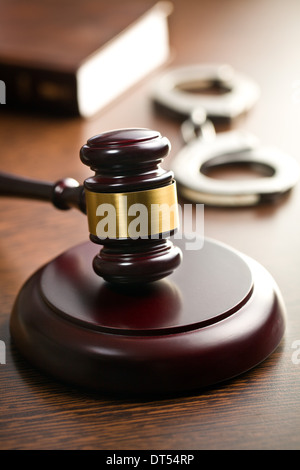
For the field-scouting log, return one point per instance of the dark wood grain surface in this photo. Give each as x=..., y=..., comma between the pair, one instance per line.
x=259, y=410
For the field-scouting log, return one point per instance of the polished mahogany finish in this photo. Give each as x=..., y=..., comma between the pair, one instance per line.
x=119, y=334
x=64, y=194
x=218, y=315
x=124, y=161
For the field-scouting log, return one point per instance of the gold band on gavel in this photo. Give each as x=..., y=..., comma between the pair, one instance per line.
x=133, y=214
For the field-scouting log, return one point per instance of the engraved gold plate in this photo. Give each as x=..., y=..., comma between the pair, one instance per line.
x=140, y=214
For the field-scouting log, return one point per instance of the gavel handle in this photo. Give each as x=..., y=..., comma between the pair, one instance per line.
x=64, y=194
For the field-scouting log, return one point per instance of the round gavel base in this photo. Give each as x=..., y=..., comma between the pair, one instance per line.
x=218, y=315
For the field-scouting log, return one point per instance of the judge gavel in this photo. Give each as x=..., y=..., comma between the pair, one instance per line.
x=217, y=316
x=128, y=180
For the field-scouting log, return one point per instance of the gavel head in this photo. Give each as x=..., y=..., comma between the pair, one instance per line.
x=131, y=206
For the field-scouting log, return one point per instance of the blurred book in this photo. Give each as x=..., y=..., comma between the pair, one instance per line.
x=74, y=56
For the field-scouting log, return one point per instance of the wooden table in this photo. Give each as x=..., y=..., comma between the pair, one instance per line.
x=258, y=410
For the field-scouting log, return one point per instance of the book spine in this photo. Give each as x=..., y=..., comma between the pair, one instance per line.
x=40, y=89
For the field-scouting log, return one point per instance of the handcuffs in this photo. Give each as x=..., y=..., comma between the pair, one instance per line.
x=206, y=149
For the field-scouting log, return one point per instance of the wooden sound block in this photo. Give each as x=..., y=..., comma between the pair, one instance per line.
x=218, y=315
